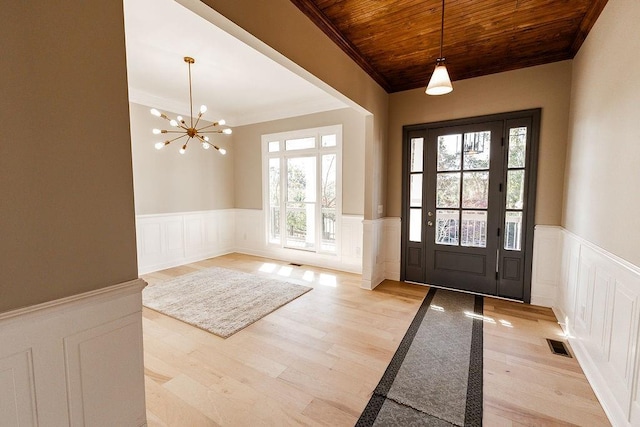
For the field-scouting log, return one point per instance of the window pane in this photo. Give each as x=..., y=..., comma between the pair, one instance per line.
x=417, y=145
x=448, y=190
x=300, y=144
x=447, y=227
x=513, y=231
x=415, y=225
x=473, y=231
x=329, y=181
x=274, y=200
x=329, y=140
x=301, y=179
x=328, y=230
x=300, y=225
x=515, y=189
x=475, y=190
x=477, y=146
x=274, y=146
x=449, y=155
x=415, y=190
x=517, y=147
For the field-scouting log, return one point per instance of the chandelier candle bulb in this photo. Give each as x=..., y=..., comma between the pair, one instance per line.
x=222, y=151
x=227, y=131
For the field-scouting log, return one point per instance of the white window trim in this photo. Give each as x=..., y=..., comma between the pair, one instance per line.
x=282, y=154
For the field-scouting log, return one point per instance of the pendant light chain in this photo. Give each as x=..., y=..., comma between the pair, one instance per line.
x=442, y=32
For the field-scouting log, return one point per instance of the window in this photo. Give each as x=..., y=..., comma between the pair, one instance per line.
x=302, y=188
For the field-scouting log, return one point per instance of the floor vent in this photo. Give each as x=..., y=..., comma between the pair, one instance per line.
x=295, y=265
x=558, y=347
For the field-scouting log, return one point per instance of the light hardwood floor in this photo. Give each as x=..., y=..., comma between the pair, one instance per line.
x=316, y=360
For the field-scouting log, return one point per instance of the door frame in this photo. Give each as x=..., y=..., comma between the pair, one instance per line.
x=531, y=183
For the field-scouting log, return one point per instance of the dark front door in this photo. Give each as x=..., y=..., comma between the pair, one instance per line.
x=468, y=201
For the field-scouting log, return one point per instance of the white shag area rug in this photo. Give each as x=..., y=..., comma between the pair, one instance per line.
x=219, y=300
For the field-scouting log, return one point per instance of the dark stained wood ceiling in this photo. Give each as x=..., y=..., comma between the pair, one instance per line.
x=398, y=41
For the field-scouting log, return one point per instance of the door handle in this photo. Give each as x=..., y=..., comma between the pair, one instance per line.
x=430, y=223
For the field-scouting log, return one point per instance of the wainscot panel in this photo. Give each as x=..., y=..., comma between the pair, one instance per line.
x=75, y=361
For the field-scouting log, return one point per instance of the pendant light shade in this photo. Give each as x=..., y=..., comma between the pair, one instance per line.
x=440, y=83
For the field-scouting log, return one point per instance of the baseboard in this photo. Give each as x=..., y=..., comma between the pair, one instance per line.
x=53, y=358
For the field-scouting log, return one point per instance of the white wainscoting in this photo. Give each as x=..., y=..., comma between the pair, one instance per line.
x=373, y=260
x=169, y=240
x=598, y=303
x=250, y=238
x=391, y=241
x=545, y=275
x=76, y=361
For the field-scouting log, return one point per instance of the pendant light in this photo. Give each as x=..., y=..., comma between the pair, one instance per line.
x=440, y=82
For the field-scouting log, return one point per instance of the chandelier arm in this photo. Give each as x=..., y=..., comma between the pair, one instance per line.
x=172, y=131
x=175, y=139
x=197, y=121
x=207, y=127
x=210, y=131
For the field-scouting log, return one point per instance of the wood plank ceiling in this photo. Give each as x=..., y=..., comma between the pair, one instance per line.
x=398, y=41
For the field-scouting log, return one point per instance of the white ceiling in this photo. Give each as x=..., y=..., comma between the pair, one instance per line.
x=236, y=82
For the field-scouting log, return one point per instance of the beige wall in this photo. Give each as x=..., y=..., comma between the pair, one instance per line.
x=546, y=86
x=602, y=200
x=280, y=24
x=66, y=191
x=248, y=159
x=166, y=181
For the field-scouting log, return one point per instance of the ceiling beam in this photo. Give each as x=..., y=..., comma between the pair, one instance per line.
x=309, y=8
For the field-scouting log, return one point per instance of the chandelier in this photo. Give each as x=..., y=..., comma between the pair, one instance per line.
x=190, y=130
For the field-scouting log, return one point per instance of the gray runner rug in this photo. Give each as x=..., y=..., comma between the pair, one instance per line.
x=435, y=376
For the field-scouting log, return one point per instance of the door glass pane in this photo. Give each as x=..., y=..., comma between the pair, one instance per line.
x=415, y=190
x=300, y=225
x=329, y=140
x=517, y=147
x=473, y=231
x=301, y=179
x=417, y=145
x=447, y=227
x=328, y=195
x=513, y=231
x=477, y=146
x=449, y=152
x=274, y=200
x=475, y=190
x=329, y=181
x=415, y=225
x=515, y=189
x=328, y=230
x=300, y=144
x=448, y=190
